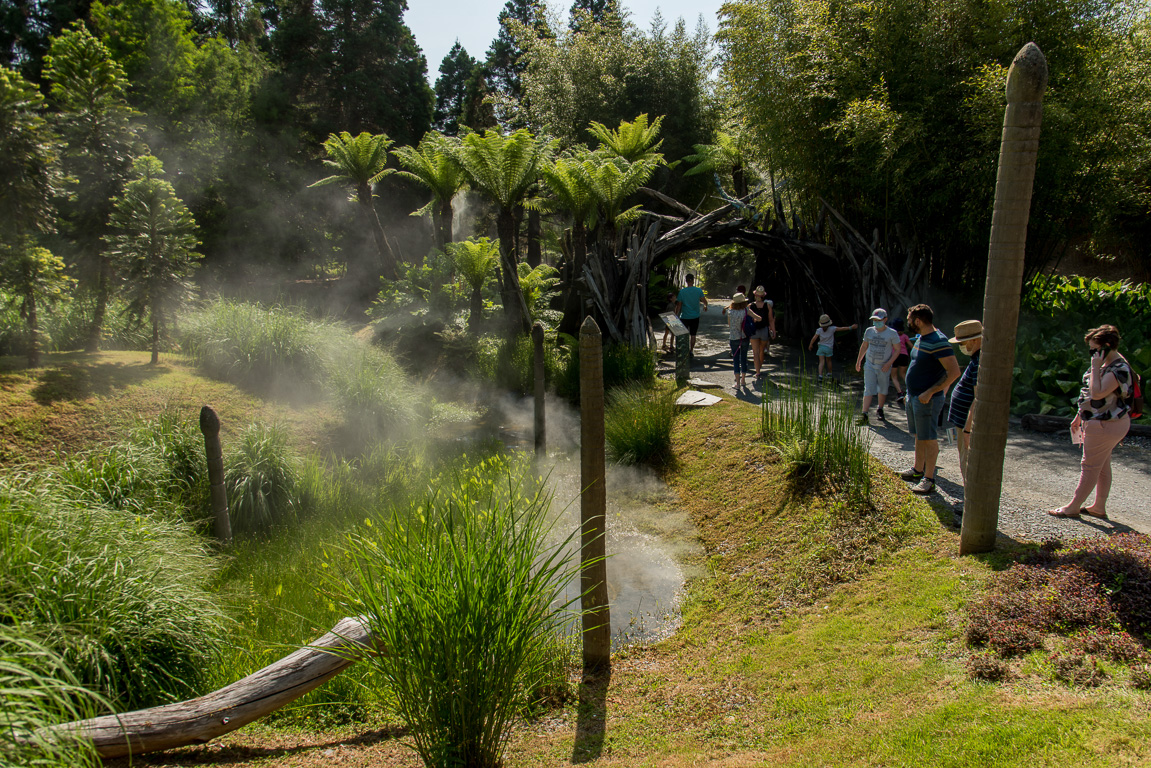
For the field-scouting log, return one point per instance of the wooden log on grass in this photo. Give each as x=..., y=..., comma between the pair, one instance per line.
x=199, y=720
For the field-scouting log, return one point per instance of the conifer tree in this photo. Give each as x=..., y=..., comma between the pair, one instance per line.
x=456, y=75
x=505, y=63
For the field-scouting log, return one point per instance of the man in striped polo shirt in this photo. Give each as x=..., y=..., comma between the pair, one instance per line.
x=933, y=368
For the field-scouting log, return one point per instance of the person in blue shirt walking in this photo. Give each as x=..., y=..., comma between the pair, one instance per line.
x=933, y=368
x=687, y=306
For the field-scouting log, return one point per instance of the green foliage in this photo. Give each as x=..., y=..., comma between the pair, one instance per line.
x=374, y=395
x=638, y=422
x=539, y=285
x=501, y=167
x=452, y=86
x=475, y=261
x=119, y=596
x=423, y=290
x=432, y=166
x=38, y=690
x=36, y=278
x=262, y=478
x=632, y=141
x=465, y=588
x=358, y=161
x=815, y=435
x=622, y=365
x=1050, y=355
x=510, y=363
x=29, y=162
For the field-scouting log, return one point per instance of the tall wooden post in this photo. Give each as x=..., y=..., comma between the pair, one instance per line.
x=593, y=502
x=1026, y=82
x=540, y=425
x=210, y=426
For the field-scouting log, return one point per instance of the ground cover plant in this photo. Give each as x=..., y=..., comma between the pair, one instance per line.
x=638, y=423
x=1087, y=603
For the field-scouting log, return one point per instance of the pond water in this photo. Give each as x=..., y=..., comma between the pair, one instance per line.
x=651, y=542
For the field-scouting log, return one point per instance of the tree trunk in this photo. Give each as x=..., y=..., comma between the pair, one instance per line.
x=573, y=301
x=444, y=225
x=33, y=321
x=535, y=255
x=155, y=335
x=387, y=258
x=476, y=311
x=1026, y=82
x=96, y=333
x=515, y=308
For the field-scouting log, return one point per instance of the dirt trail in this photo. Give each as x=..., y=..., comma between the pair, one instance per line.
x=1040, y=471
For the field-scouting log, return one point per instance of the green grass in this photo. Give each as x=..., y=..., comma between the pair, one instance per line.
x=638, y=423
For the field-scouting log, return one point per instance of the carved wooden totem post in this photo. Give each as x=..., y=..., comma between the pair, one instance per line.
x=540, y=425
x=1026, y=82
x=593, y=502
x=210, y=426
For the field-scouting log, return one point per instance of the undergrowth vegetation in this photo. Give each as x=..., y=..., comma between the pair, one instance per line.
x=1086, y=603
x=637, y=424
x=67, y=327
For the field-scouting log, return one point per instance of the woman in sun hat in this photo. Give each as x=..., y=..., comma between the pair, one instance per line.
x=1102, y=421
x=764, y=327
x=969, y=337
x=735, y=315
x=825, y=335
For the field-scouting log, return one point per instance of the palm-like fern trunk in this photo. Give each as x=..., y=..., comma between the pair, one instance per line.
x=573, y=302
x=515, y=307
x=387, y=257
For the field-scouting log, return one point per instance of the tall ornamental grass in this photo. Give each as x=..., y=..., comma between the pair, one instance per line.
x=465, y=591
x=262, y=479
x=638, y=423
x=119, y=596
x=815, y=434
x=37, y=689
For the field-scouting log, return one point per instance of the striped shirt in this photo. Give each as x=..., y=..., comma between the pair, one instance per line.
x=963, y=396
x=926, y=367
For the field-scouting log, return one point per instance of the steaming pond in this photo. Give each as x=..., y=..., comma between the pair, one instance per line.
x=650, y=541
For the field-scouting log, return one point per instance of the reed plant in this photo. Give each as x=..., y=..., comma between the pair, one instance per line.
x=813, y=431
x=262, y=478
x=464, y=588
x=638, y=422
x=121, y=597
x=37, y=690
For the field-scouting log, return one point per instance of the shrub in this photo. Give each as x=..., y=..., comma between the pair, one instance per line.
x=1076, y=668
x=118, y=596
x=510, y=363
x=464, y=591
x=180, y=445
x=638, y=422
x=1141, y=677
x=261, y=476
x=1116, y=645
x=39, y=690
x=622, y=365
x=373, y=393
x=987, y=666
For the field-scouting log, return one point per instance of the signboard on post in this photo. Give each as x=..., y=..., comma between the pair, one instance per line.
x=682, y=347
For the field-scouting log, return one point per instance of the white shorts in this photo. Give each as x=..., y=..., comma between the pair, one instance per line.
x=875, y=380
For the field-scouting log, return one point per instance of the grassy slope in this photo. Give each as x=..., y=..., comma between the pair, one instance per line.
x=816, y=640
x=79, y=400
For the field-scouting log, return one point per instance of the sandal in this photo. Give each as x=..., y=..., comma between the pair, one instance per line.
x=1063, y=513
x=1086, y=511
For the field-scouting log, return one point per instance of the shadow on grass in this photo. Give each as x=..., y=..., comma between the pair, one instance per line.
x=244, y=754
x=591, y=723
x=77, y=380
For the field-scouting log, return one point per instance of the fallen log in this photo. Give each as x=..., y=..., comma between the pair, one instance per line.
x=199, y=720
x=1039, y=423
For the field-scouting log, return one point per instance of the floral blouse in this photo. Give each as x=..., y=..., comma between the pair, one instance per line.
x=1113, y=406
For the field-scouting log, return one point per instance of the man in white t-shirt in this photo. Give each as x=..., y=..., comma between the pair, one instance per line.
x=878, y=351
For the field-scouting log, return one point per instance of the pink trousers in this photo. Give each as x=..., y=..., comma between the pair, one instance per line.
x=1099, y=440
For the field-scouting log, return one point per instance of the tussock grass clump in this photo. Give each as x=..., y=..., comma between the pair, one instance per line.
x=38, y=690
x=262, y=478
x=120, y=597
x=637, y=424
x=373, y=393
x=464, y=589
x=814, y=434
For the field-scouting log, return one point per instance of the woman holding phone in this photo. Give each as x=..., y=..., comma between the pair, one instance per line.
x=1102, y=419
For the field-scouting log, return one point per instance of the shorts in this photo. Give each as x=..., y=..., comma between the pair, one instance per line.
x=875, y=380
x=763, y=333
x=923, y=420
x=823, y=350
x=902, y=361
x=692, y=324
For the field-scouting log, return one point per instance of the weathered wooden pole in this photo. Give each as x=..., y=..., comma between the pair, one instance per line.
x=593, y=502
x=1026, y=82
x=541, y=426
x=210, y=426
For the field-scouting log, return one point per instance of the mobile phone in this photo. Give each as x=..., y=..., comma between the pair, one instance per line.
x=1101, y=352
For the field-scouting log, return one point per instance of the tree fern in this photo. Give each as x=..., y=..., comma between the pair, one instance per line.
x=432, y=165
x=632, y=141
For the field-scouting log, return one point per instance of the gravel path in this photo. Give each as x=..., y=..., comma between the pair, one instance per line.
x=1040, y=471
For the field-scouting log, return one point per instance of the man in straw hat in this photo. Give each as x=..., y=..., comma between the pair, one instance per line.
x=969, y=337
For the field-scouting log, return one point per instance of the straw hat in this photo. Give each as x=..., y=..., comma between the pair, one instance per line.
x=738, y=301
x=759, y=291
x=824, y=321
x=966, y=331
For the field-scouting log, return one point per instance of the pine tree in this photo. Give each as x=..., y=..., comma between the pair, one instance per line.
x=456, y=72
x=153, y=234
x=505, y=63
x=597, y=11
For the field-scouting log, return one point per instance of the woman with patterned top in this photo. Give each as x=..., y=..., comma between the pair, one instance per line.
x=738, y=339
x=1102, y=420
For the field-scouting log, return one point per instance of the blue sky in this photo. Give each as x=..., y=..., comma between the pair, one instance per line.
x=438, y=23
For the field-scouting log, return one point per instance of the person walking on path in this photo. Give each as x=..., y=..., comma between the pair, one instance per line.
x=687, y=306
x=932, y=370
x=764, y=327
x=737, y=337
x=878, y=351
x=969, y=337
x=825, y=335
x=899, y=367
x=1102, y=421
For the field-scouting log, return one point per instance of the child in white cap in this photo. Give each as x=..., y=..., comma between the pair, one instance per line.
x=825, y=335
